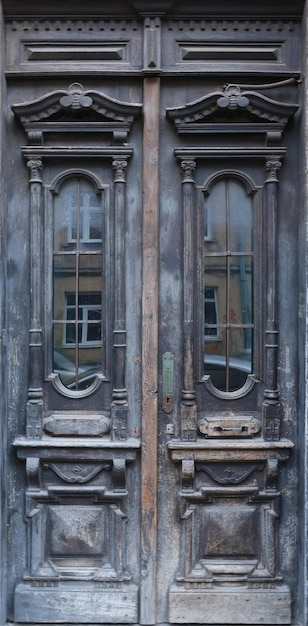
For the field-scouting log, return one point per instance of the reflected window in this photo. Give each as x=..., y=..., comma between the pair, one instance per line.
x=89, y=218
x=228, y=285
x=210, y=313
x=87, y=327
x=77, y=283
x=207, y=226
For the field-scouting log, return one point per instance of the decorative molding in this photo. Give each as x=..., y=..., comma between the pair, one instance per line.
x=86, y=152
x=229, y=52
x=245, y=551
x=76, y=52
x=231, y=475
x=220, y=450
x=233, y=25
x=77, y=425
x=74, y=26
x=217, y=152
x=62, y=525
x=152, y=44
x=112, y=26
x=77, y=472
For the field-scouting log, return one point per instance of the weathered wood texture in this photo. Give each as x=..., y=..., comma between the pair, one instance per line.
x=221, y=607
x=216, y=547
x=149, y=350
x=76, y=605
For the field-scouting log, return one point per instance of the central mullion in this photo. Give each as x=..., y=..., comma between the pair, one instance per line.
x=77, y=282
x=228, y=287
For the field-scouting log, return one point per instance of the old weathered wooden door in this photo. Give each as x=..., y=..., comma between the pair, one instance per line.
x=152, y=400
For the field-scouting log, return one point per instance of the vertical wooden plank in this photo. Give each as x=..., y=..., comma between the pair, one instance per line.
x=149, y=350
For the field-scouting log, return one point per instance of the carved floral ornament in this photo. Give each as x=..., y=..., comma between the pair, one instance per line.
x=76, y=98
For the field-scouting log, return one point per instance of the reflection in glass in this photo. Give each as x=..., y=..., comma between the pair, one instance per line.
x=77, y=285
x=228, y=286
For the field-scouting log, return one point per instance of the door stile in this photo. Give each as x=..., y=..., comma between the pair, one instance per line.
x=3, y=357
x=149, y=350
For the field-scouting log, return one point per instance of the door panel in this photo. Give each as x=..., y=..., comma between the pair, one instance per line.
x=78, y=442
x=151, y=413
x=225, y=445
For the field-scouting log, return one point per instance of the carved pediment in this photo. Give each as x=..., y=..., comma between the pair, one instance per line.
x=73, y=102
x=75, y=109
x=231, y=104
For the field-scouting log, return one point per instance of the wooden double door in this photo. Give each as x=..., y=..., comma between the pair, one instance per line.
x=151, y=347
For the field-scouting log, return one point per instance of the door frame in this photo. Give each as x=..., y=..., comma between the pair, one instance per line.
x=150, y=334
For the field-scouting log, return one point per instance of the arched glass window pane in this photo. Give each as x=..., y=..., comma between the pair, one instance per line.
x=77, y=284
x=228, y=285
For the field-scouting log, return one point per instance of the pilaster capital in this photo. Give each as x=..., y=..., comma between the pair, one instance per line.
x=272, y=168
x=119, y=165
x=187, y=169
x=35, y=166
